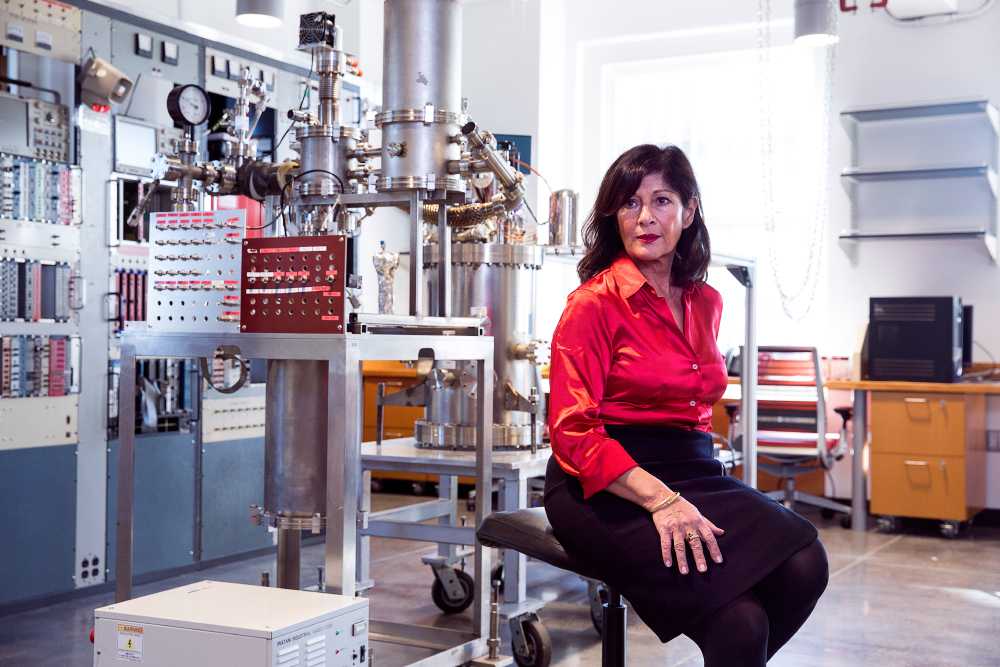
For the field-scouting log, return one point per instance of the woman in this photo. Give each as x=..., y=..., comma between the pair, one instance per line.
x=632, y=485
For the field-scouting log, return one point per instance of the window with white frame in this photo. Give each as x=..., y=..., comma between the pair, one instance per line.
x=710, y=106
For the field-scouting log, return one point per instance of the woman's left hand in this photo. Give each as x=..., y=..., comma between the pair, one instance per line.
x=676, y=520
x=682, y=524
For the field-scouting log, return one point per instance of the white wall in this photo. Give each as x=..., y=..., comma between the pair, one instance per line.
x=881, y=63
x=500, y=73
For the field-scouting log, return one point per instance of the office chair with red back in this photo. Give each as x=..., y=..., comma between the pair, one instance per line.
x=792, y=437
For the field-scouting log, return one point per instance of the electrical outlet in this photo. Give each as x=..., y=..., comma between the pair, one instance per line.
x=993, y=441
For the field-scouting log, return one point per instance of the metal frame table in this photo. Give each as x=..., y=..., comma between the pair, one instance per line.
x=345, y=353
x=512, y=469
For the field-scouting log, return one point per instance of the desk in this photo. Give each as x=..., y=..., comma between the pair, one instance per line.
x=973, y=419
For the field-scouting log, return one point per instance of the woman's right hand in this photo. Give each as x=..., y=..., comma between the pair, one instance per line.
x=674, y=524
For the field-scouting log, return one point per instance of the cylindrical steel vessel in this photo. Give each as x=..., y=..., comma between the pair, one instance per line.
x=498, y=281
x=315, y=187
x=564, y=228
x=323, y=159
x=422, y=97
x=295, y=437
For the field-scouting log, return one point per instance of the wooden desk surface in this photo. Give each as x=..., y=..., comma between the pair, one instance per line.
x=924, y=387
x=392, y=369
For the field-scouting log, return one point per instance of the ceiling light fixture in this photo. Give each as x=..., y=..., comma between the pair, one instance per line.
x=813, y=24
x=260, y=13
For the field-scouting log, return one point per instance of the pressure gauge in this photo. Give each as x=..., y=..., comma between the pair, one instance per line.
x=188, y=105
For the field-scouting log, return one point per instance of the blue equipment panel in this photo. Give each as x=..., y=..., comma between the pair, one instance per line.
x=163, y=516
x=38, y=494
x=233, y=480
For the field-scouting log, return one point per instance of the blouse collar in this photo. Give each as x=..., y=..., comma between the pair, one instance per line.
x=629, y=279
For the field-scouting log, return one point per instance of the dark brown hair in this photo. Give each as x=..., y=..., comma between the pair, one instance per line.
x=600, y=233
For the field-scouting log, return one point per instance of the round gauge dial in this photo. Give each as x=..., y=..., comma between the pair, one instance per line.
x=188, y=105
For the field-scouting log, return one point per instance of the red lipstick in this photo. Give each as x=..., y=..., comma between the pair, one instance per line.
x=647, y=238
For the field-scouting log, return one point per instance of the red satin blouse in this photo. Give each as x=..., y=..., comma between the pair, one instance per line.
x=619, y=358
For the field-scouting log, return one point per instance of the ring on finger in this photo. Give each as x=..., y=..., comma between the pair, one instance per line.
x=691, y=537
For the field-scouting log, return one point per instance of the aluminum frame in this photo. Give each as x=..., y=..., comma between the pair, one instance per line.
x=513, y=470
x=345, y=354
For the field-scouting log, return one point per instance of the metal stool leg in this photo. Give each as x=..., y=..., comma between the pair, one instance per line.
x=613, y=643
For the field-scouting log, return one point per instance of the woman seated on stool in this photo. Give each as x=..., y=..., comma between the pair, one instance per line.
x=632, y=484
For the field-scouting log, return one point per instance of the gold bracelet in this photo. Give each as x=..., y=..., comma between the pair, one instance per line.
x=666, y=503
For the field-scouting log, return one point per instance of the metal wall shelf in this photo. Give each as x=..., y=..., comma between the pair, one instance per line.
x=925, y=173
x=924, y=111
x=852, y=177
x=849, y=240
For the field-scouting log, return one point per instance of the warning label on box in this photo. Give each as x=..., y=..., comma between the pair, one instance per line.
x=130, y=642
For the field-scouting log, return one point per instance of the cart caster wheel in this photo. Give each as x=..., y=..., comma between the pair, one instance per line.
x=447, y=604
x=888, y=524
x=419, y=488
x=538, y=643
x=377, y=485
x=597, y=617
x=950, y=529
x=826, y=513
x=845, y=522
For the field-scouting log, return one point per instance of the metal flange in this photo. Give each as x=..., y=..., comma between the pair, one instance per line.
x=489, y=253
x=429, y=435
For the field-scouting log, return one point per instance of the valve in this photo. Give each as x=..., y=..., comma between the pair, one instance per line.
x=301, y=117
x=537, y=352
x=440, y=379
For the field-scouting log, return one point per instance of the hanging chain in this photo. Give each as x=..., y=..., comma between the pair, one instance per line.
x=817, y=236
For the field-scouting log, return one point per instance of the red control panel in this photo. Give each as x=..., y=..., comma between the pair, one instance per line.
x=293, y=284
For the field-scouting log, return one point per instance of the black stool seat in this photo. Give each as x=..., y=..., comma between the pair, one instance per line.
x=528, y=531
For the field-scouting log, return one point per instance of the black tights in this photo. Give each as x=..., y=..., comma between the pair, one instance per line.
x=750, y=629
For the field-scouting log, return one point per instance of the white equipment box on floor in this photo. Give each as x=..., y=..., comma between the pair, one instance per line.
x=233, y=625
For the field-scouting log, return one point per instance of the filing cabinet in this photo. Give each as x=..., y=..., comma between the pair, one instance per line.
x=928, y=456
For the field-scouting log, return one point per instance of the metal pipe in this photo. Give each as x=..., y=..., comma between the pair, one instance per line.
x=289, y=558
x=508, y=179
x=328, y=68
x=365, y=152
x=748, y=403
x=493, y=641
x=859, y=487
x=295, y=437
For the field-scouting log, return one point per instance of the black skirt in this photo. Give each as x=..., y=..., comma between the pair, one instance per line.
x=618, y=537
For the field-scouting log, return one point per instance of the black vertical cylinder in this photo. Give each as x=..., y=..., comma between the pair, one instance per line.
x=613, y=645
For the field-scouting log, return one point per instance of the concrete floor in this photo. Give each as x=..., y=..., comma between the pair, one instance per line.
x=911, y=599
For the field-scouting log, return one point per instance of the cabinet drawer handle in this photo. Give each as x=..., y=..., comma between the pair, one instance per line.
x=914, y=400
x=916, y=463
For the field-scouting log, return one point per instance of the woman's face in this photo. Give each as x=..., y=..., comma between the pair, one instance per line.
x=651, y=220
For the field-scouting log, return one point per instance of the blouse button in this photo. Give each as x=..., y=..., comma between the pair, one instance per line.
x=694, y=366
x=693, y=403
